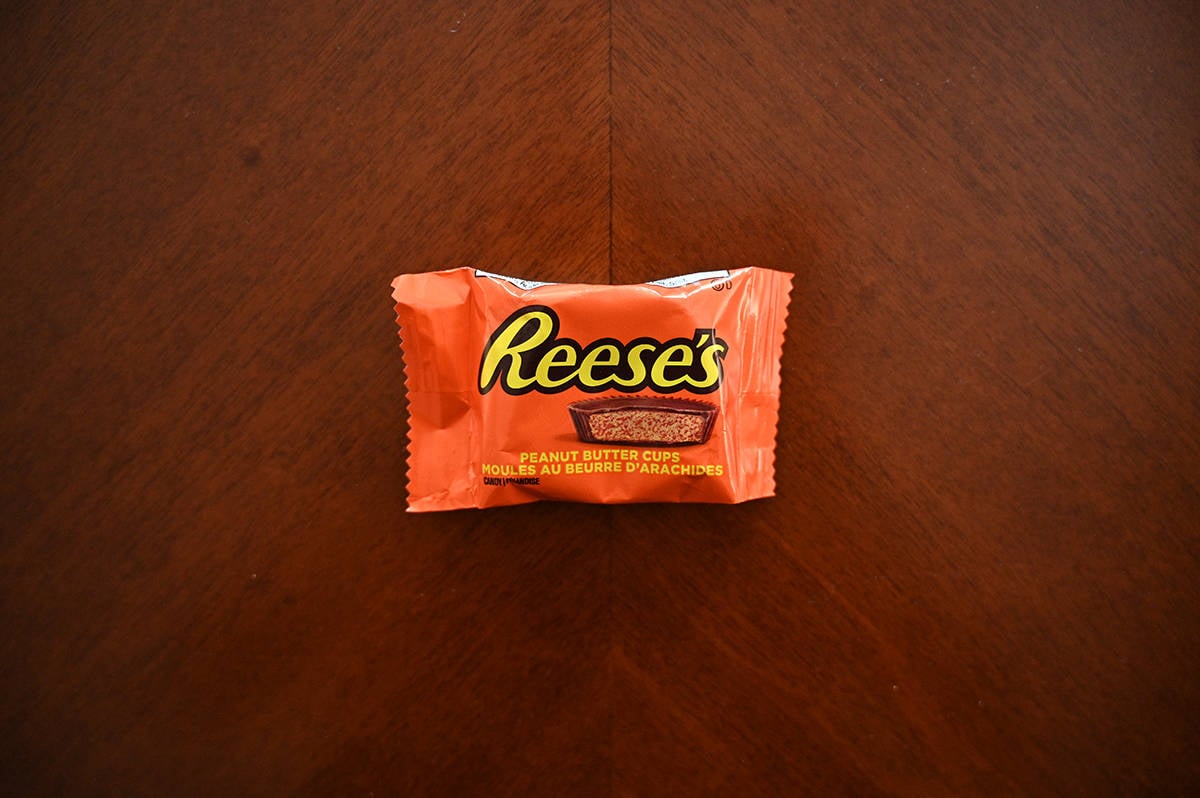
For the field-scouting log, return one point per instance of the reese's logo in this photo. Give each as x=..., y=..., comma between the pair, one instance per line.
x=525, y=354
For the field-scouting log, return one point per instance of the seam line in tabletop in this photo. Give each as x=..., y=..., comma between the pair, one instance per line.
x=610, y=142
x=612, y=526
x=611, y=513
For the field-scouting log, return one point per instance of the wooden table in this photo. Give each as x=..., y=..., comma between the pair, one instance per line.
x=980, y=574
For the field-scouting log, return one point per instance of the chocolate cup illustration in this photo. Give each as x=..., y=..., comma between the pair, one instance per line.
x=643, y=420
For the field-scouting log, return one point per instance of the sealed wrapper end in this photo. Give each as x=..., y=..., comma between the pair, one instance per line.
x=521, y=391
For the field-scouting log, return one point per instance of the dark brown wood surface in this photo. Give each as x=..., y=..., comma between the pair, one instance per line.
x=980, y=574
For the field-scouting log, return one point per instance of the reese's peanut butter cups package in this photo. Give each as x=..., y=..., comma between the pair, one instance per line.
x=520, y=391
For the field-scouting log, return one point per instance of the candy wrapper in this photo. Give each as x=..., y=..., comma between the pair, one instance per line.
x=521, y=391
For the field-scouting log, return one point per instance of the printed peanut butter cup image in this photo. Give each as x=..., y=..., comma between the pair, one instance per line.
x=643, y=420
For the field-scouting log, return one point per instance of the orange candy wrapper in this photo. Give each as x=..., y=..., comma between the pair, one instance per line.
x=520, y=391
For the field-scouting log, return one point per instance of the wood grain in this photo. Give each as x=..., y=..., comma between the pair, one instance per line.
x=211, y=585
x=979, y=577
